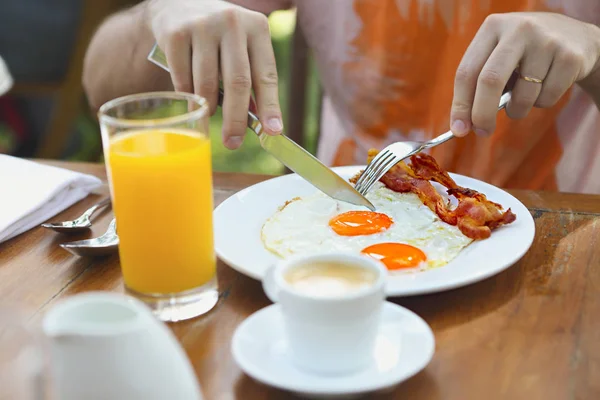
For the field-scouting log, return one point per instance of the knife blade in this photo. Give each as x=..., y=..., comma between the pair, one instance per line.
x=292, y=155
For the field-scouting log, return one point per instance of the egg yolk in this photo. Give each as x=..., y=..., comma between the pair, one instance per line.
x=356, y=223
x=396, y=255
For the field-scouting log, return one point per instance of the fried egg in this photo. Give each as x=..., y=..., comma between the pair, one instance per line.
x=403, y=233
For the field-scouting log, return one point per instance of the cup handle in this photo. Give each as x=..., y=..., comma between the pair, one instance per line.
x=269, y=285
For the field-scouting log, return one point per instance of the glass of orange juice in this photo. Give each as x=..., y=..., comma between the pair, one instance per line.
x=158, y=158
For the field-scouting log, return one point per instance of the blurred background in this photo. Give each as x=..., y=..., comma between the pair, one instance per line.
x=46, y=115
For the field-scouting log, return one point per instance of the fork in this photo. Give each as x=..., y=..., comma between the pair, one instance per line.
x=396, y=152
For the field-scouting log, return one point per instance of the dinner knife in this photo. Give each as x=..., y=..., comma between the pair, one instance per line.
x=290, y=154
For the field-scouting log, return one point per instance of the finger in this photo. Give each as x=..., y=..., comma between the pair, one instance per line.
x=179, y=57
x=205, y=71
x=252, y=103
x=491, y=82
x=235, y=67
x=264, y=76
x=561, y=76
x=534, y=65
x=465, y=81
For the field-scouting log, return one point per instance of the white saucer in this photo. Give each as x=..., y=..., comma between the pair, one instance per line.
x=405, y=345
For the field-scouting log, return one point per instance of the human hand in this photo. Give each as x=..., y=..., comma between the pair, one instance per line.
x=550, y=52
x=204, y=40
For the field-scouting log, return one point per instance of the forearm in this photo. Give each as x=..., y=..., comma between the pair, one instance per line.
x=115, y=63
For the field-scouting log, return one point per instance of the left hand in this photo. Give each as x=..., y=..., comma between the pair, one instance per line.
x=552, y=48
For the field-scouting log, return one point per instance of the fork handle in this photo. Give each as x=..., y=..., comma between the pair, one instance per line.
x=444, y=137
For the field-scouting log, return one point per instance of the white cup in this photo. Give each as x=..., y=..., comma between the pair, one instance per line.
x=329, y=335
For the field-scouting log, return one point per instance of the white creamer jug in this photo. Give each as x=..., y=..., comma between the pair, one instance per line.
x=109, y=346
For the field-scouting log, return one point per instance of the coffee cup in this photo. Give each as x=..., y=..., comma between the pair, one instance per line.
x=331, y=306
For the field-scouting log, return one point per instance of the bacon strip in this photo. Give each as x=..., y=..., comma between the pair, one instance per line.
x=475, y=215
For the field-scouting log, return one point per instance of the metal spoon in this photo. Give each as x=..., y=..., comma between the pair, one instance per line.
x=104, y=245
x=79, y=224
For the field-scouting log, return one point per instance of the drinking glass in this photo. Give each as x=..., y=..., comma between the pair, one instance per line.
x=158, y=158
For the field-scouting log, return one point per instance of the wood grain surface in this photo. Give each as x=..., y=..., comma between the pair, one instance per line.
x=531, y=332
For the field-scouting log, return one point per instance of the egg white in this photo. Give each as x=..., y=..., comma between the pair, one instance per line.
x=301, y=227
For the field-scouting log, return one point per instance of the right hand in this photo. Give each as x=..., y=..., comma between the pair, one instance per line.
x=198, y=37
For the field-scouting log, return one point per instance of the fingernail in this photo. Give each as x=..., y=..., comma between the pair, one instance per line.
x=233, y=142
x=275, y=124
x=481, y=132
x=459, y=127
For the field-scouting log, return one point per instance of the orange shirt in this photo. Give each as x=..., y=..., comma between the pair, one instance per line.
x=388, y=69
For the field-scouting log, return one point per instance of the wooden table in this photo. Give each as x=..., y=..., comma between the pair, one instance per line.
x=531, y=332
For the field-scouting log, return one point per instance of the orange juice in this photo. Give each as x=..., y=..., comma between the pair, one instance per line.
x=162, y=198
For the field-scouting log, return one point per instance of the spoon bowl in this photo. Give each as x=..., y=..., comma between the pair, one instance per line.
x=101, y=246
x=79, y=224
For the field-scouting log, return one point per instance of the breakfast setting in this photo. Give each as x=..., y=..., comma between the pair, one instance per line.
x=387, y=199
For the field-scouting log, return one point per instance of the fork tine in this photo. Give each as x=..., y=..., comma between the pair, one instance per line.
x=372, y=173
x=369, y=168
x=361, y=180
x=375, y=163
x=377, y=174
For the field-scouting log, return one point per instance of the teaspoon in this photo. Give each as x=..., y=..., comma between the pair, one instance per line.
x=80, y=223
x=100, y=246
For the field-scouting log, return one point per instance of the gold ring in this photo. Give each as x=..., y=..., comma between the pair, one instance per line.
x=530, y=79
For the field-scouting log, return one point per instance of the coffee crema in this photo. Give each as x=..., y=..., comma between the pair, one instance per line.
x=330, y=279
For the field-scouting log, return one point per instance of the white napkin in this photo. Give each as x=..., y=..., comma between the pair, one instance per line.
x=6, y=81
x=31, y=193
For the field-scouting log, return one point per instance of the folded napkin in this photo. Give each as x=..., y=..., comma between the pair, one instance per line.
x=6, y=81
x=31, y=193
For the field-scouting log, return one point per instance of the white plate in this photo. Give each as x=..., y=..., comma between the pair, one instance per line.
x=239, y=219
x=404, y=346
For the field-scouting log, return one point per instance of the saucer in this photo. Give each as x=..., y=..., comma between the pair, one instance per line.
x=404, y=346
